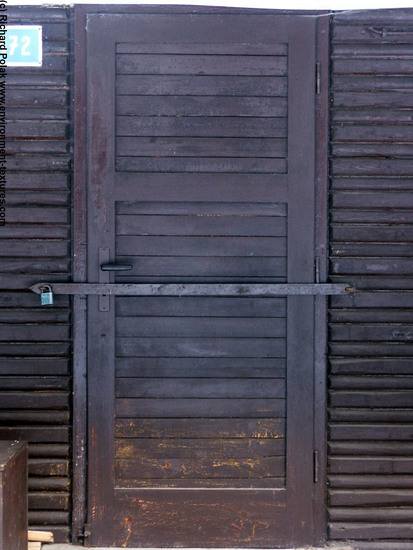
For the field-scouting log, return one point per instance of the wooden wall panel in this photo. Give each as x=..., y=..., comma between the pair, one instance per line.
x=35, y=342
x=371, y=356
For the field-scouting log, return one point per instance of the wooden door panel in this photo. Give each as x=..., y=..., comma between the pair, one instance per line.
x=201, y=168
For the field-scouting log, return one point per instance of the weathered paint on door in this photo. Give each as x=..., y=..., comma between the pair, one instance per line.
x=201, y=169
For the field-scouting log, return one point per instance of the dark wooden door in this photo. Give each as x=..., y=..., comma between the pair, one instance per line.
x=201, y=169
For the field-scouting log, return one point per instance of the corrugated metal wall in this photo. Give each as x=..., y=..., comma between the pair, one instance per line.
x=35, y=345
x=371, y=382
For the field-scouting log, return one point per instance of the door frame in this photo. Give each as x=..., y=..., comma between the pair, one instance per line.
x=79, y=262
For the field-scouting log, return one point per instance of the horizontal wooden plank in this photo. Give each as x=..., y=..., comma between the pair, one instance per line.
x=398, y=166
x=201, y=147
x=373, y=514
x=371, y=482
x=385, y=49
x=32, y=129
x=198, y=468
x=220, y=327
x=30, y=247
x=186, y=388
x=374, y=99
x=37, y=98
x=36, y=382
x=199, y=306
x=200, y=408
x=258, y=65
x=373, y=266
x=362, y=116
x=200, y=347
x=45, y=214
x=46, y=15
x=275, y=483
x=190, y=208
x=30, y=366
x=157, y=268
x=341, y=497
x=204, y=428
x=33, y=265
x=204, y=48
x=39, y=162
x=358, y=183
x=347, y=30
x=41, y=198
x=366, y=150
x=371, y=415
x=194, y=85
x=28, y=417
x=378, y=215
x=372, y=315
x=375, y=199
x=370, y=531
x=33, y=400
x=14, y=231
x=48, y=517
x=369, y=83
x=57, y=315
x=40, y=79
x=29, y=146
x=219, y=192
x=372, y=349
x=371, y=249
x=207, y=165
x=132, y=245
x=382, y=431
x=341, y=398
x=56, y=434
x=374, y=332
x=371, y=233
x=136, y=449
x=48, y=483
x=31, y=180
x=27, y=113
x=204, y=106
x=358, y=65
x=376, y=365
x=49, y=450
x=48, y=501
x=373, y=447
x=169, y=367
x=371, y=132
x=372, y=382
x=211, y=126
x=371, y=465
x=190, y=225
x=48, y=467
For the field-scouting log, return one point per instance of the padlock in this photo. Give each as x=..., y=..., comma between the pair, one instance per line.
x=46, y=296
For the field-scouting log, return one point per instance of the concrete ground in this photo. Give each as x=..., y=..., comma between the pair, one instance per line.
x=72, y=547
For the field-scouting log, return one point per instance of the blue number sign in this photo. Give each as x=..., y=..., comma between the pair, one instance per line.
x=24, y=46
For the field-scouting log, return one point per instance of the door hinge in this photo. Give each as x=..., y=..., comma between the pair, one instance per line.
x=316, y=467
x=317, y=78
x=85, y=534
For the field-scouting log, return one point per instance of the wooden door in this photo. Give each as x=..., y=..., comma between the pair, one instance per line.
x=201, y=169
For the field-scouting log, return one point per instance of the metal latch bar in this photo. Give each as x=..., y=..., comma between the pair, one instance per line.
x=207, y=289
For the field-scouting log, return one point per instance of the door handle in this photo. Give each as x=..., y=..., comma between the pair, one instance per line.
x=116, y=267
